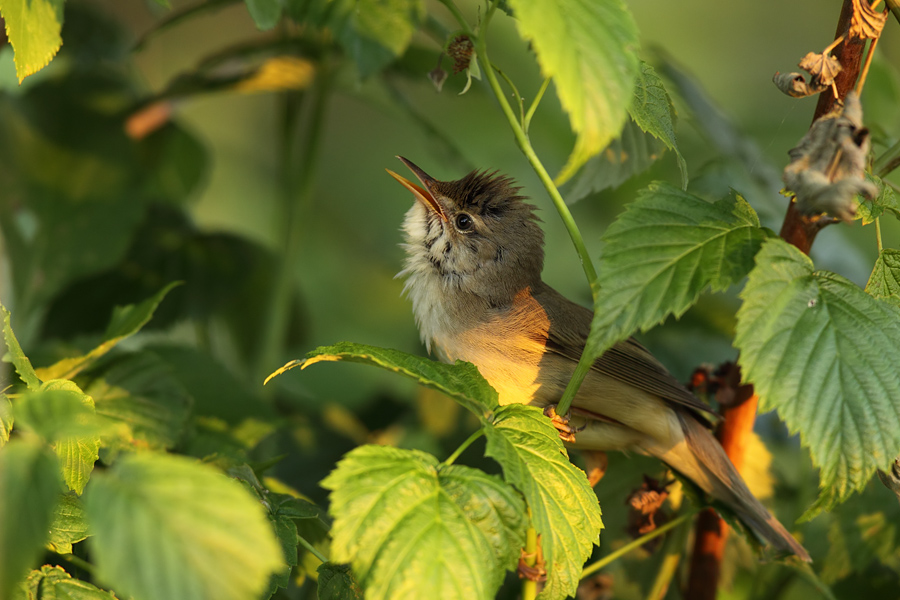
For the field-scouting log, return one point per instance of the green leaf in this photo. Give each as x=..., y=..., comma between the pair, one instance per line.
x=662, y=252
x=336, y=583
x=16, y=356
x=286, y=532
x=629, y=154
x=6, y=419
x=884, y=200
x=29, y=488
x=564, y=508
x=68, y=526
x=53, y=583
x=375, y=32
x=824, y=354
x=65, y=417
x=33, y=28
x=265, y=13
x=414, y=528
x=125, y=322
x=884, y=282
x=652, y=109
x=168, y=528
x=139, y=392
x=460, y=381
x=589, y=47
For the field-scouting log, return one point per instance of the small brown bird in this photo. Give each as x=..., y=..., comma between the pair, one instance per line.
x=473, y=272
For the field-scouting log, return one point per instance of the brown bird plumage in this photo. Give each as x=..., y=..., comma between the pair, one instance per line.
x=473, y=273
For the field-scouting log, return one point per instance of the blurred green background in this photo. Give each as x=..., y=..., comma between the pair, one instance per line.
x=105, y=220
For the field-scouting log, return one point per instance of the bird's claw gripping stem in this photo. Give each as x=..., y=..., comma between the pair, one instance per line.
x=566, y=432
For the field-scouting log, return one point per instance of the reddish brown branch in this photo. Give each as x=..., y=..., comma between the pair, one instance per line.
x=798, y=229
x=737, y=425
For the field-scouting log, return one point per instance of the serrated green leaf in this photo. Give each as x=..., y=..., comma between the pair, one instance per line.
x=629, y=154
x=662, y=252
x=884, y=282
x=286, y=532
x=33, y=28
x=293, y=508
x=265, y=13
x=53, y=583
x=125, y=322
x=824, y=354
x=884, y=200
x=139, y=392
x=168, y=528
x=414, y=528
x=6, y=419
x=375, y=32
x=64, y=416
x=589, y=48
x=564, y=508
x=29, y=488
x=336, y=583
x=460, y=381
x=652, y=109
x=68, y=526
x=16, y=356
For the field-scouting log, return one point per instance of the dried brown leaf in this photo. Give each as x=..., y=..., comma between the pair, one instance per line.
x=866, y=22
x=794, y=85
x=823, y=68
x=461, y=49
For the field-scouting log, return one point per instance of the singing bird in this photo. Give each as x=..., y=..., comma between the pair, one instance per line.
x=475, y=253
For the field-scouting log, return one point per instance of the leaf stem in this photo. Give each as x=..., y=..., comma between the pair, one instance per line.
x=581, y=370
x=515, y=92
x=878, y=241
x=78, y=562
x=529, y=586
x=462, y=447
x=526, y=123
x=312, y=549
x=888, y=161
x=613, y=556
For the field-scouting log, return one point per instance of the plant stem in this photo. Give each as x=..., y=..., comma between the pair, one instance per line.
x=888, y=161
x=672, y=552
x=78, y=562
x=296, y=199
x=526, y=123
x=613, y=556
x=311, y=549
x=529, y=587
x=878, y=242
x=462, y=447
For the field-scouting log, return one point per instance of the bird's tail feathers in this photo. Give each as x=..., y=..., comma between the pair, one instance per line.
x=717, y=476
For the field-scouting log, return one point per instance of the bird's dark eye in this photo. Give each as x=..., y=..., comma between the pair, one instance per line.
x=464, y=222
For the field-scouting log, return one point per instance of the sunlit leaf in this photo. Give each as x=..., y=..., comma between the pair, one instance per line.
x=460, y=381
x=33, y=28
x=15, y=354
x=375, y=32
x=824, y=354
x=564, y=508
x=666, y=248
x=29, y=488
x=589, y=48
x=168, y=528
x=413, y=528
x=69, y=525
x=125, y=322
x=53, y=583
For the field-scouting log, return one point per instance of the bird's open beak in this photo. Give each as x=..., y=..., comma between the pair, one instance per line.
x=423, y=195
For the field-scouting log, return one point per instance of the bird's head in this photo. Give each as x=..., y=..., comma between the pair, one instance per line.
x=476, y=233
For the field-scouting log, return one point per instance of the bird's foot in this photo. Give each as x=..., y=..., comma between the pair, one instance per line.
x=595, y=463
x=534, y=571
x=566, y=432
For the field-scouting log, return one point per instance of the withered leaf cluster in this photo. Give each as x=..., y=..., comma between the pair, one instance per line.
x=866, y=22
x=822, y=69
x=827, y=168
x=645, y=509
